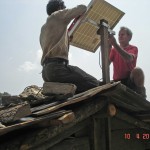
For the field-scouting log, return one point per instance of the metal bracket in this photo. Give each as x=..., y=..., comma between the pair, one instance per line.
x=99, y=25
x=109, y=30
x=105, y=25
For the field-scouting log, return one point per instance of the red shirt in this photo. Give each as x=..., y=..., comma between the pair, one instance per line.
x=121, y=67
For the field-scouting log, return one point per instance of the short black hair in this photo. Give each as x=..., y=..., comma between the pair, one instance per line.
x=54, y=5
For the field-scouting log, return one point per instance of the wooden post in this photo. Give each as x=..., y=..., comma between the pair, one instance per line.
x=112, y=110
x=101, y=131
x=103, y=32
x=101, y=134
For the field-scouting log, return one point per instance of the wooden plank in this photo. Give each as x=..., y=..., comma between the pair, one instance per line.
x=121, y=102
x=55, y=140
x=44, y=106
x=84, y=95
x=127, y=118
x=67, y=118
x=28, y=121
x=64, y=119
x=138, y=99
x=102, y=128
x=80, y=114
x=49, y=136
x=101, y=131
x=131, y=96
x=76, y=99
x=122, y=94
x=108, y=133
x=11, y=114
x=142, y=115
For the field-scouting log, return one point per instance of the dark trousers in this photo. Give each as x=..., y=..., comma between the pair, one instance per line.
x=55, y=72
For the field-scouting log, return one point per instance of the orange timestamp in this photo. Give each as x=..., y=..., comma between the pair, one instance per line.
x=143, y=136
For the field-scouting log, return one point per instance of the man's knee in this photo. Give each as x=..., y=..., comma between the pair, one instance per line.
x=137, y=76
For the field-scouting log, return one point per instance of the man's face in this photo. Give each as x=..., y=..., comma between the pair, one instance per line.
x=123, y=37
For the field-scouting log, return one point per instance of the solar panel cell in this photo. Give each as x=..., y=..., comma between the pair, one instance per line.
x=84, y=29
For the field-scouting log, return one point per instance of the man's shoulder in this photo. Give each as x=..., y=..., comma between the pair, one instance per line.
x=132, y=46
x=59, y=12
x=52, y=20
x=132, y=49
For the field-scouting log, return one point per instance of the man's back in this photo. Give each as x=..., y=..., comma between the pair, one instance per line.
x=53, y=37
x=52, y=32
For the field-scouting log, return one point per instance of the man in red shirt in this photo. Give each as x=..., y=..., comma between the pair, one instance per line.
x=124, y=56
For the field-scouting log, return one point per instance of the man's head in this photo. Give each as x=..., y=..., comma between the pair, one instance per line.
x=125, y=35
x=54, y=5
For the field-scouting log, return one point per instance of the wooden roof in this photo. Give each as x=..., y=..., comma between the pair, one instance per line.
x=116, y=93
x=84, y=105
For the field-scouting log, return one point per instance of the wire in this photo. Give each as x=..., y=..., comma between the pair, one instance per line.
x=99, y=59
x=100, y=62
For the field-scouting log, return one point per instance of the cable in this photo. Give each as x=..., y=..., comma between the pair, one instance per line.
x=100, y=63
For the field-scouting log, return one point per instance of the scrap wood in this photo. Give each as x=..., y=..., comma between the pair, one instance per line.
x=28, y=121
x=44, y=106
x=55, y=113
x=79, y=97
x=127, y=98
x=65, y=119
x=142, y=115
x=11, y=114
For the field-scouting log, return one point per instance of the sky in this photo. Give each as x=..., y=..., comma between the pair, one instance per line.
x=20, y=51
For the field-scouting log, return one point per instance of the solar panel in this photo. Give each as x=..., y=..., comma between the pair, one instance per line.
x=84, y=29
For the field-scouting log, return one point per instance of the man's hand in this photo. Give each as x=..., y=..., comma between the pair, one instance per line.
x=125, y=55
x=112, y=40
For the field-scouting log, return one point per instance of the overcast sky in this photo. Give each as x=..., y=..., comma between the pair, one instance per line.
x=20, y=51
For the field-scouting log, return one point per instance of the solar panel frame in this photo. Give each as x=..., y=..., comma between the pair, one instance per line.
x=85, y=33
